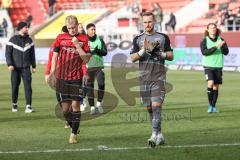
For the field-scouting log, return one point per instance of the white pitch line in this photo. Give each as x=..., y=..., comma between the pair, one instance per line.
x=119, y=148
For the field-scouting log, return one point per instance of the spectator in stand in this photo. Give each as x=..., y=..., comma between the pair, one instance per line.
x=158, y=13
x=220, y=20
x=170, y=25
x=225, y=13
x=230, y=20
x=1, y=31
x=51, y=7
x=29, y=20
x=237, y=20
x=4, y=26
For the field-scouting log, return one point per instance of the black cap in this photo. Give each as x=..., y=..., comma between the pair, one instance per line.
x=21, y=25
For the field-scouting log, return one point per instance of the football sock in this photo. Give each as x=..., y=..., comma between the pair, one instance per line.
x=76, y=116
x=149, y=108
x=215, y=97
x=91, y=101
x=210, y=96
x=84, y=92
x=156, y=121
x=68, y=118
x=101, y=89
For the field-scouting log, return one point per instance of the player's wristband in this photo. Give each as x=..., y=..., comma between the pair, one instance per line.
x=141, y=52
x=164, y=55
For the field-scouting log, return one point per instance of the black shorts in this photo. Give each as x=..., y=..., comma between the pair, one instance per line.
x=69, y=90
x=214, y=74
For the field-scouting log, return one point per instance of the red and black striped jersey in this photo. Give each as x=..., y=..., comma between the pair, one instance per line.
x=69, y=64
x=50, y=54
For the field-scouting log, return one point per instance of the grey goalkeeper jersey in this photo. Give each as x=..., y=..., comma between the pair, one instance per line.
x=151, y=65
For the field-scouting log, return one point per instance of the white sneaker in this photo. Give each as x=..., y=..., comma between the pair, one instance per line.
x=66, y=125
x=152, y=141
x=14, y=108
x=92, y=110
x=83, y=107
x=28, y=109
x=73, y=139
x=99, y=107
x=160, y=139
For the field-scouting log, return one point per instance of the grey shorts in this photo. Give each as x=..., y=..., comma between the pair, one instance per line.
x=152, y=92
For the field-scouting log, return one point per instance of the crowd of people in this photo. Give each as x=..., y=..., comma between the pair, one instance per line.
x=157, y=10
x=76, y=60
x=229, y=20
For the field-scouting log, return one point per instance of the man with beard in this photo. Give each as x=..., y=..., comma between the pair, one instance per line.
x=151, y=49
x=20, y=56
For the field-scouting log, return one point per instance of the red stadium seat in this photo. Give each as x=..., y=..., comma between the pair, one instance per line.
x=200, y=24
x=18, y=11
x=234, y=5
x=218, y=1
x=167, y=5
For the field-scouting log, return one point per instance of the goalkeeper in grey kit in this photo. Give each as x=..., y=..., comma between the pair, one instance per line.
x=151, y=49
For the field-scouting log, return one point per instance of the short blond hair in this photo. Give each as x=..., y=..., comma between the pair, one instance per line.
x=71, y=20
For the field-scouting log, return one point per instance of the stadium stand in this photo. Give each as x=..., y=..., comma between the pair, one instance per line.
x=80, y=4
x=21, y=9
x=167, y=5
x=234, y=5
x=18, y=11
x=36, y=11
x=218, y=12
x=51, y=30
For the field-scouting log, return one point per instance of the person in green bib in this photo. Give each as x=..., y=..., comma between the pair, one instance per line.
x=95, y=67
x=213, y=48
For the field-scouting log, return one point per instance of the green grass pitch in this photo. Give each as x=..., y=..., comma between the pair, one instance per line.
x=190, y=132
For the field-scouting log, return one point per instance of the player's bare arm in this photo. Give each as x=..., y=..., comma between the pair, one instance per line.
x=54, y=61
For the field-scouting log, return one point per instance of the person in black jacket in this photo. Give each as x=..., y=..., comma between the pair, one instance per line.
x=51, y=7
x=170, y=25
x=20, y=56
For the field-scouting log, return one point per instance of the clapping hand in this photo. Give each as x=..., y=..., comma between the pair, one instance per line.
x=75, y=41
x=220, y=44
